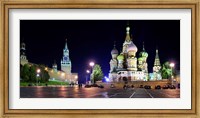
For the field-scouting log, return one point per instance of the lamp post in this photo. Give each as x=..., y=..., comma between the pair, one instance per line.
x=87, y=73
x=92, y=65
x=38, y=75
x=172, y=66
x=76, y=79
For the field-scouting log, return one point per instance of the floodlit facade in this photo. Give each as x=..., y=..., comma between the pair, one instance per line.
x=64, y=74
x=127, y=67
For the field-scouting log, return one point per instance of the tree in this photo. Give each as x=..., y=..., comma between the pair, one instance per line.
x=166, y=70
x=25, y=73
x=32, y=74
x=44, y=75
x=97, y=73
x=29, y=74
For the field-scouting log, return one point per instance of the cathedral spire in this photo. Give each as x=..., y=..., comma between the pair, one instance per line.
x=66, y=47
x=143, y=47
x=114, y=50
x=157, y=60
x=128, y=38
x=114, y=44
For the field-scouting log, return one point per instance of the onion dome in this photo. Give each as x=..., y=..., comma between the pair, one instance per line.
x=114, y=50
x=143, y=53
x=132, y=47
x=140, y=59
x=120, y=57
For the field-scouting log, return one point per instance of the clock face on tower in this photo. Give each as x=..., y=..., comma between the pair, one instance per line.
x=65, y=58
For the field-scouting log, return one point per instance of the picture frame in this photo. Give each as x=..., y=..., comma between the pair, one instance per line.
x=6, y=5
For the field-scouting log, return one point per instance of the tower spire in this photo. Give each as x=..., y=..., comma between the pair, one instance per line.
x=143, y=46
x=114, y=50
x=127, y=32
x=66, y=47
x=66, y=62
x=23, y=59
x=157, y=60
x=114, y=44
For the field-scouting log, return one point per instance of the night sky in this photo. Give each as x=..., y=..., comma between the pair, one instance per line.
x=92, y=40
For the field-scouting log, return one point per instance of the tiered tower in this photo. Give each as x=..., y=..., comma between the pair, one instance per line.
x=113, y=61
x=23, y=59
x=157, y=67
x=143, y=57
x=65, y=61
x=127, y=59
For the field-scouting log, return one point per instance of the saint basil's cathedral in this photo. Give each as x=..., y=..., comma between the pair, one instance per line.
x=127, y=67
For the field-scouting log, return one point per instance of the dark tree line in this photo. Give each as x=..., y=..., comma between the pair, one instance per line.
x=28, y=73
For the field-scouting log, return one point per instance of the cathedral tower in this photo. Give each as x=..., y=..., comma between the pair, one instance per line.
x=143, y=60
x=23, y=59
x=127, y=41
x=113, y=61
x=65, y=61
x=157, y=65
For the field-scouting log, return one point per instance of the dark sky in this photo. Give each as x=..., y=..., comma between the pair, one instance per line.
x=92, y=40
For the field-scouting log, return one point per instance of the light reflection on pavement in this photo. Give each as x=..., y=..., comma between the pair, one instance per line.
x=94, y=92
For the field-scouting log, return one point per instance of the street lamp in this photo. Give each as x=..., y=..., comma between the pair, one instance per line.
x=172, y=66
x=63, y=75
x=92, y=65
x=38, y=74
x=87, y=71
x=76, y=77
x=38, y=70
x=107, y=79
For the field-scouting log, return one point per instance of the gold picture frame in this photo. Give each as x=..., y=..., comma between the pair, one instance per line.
x=150, y=4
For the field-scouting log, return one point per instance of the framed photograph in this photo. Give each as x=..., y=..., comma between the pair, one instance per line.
x=99, y=59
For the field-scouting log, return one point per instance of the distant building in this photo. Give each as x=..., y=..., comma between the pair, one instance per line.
x=55, y=75
x=23, y=59
x=127, y=67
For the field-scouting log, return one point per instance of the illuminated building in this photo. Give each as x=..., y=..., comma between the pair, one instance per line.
x=127, y=67
x=64, y=74
x=23, y=59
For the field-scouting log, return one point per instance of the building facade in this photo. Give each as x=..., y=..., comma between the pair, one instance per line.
x=64, y=74
x=127, y=67
x=23, y=59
